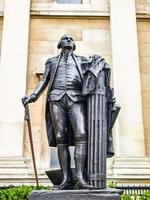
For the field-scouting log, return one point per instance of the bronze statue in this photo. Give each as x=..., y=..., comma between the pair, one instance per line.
x=71, y=80
x=65, y=107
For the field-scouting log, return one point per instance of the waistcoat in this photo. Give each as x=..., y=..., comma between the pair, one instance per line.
x=67, y=75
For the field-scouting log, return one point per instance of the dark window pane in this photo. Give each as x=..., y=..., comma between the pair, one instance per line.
x=69, y=1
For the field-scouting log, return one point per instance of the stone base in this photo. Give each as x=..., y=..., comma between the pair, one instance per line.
x=131, y=170
x=103, y=194
x=14, y=171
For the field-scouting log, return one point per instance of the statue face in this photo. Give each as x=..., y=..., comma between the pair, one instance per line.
x=67, y=42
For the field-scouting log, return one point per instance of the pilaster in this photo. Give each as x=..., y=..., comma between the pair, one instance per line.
x=130, y=147
x=13, y=68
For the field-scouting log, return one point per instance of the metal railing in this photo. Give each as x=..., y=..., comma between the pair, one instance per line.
x=134, y=190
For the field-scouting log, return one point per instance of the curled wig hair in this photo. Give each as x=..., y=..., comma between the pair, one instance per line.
x=59, y=45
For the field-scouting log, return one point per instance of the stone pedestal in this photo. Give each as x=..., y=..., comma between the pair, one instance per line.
x=104, y=194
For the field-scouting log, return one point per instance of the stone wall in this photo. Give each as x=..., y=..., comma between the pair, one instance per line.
x=144, y=55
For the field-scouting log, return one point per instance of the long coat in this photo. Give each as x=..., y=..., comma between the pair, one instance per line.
x=48, y=78
x=84, y=66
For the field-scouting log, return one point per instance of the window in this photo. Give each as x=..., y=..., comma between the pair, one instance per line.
x=70, y=1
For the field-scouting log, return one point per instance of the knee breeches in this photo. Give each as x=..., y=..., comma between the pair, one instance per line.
x=66, y=111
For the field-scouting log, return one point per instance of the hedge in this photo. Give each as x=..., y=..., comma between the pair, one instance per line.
x=18, y=193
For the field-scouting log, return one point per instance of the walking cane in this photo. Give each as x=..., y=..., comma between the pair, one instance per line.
x=27, y=118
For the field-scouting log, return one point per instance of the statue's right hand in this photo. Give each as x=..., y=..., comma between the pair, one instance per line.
x=29, y=99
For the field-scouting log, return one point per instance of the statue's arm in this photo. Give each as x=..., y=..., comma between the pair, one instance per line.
x=44, y=82
x=40, y=87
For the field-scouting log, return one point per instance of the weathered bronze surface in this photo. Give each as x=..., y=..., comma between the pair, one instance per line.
x=80, y=111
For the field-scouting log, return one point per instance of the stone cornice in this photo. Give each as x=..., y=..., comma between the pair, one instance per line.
x=84, y=10
x=69, y=10
x=79, y=10
x=143, y=11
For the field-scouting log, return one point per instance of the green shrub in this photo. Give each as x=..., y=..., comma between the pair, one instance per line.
x=112, y=184
x=145, y=196
x=18, y=193
x=126, y=197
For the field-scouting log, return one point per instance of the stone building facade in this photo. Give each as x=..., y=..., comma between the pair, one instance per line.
x=29, y=32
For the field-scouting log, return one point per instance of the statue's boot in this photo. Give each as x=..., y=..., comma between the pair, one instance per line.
x=65, y=185
x=64, y=160
x=80, y=158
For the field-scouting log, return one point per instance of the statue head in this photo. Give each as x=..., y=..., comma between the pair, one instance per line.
x=66, y=42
